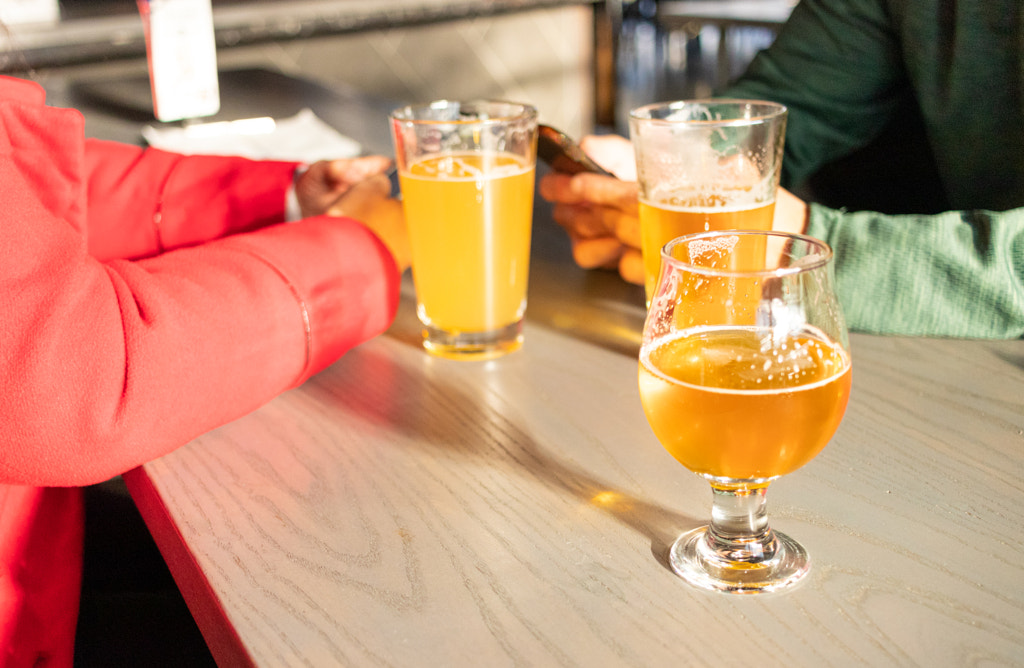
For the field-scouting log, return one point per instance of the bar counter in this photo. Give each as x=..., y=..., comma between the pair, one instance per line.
x=403, y=510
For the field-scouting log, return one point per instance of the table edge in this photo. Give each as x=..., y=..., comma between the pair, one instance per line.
x=221, y=638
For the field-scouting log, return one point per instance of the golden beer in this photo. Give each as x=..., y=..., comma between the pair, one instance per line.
x=660, y=222
x=741, y=403
x=469, y=216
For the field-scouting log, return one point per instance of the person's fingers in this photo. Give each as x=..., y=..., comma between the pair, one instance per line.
x=605, y=191
x=354, y=170
x=372, y=187
x=601, y=252
x=368, y=201
x=555, y=187
x=587, y=188
x=361, y=196
x=626, y=227
x=564, y=215
x=388, y=222
x=582, y=221
x=631, y=266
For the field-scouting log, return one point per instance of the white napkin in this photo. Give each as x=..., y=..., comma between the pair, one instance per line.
x=302, y=138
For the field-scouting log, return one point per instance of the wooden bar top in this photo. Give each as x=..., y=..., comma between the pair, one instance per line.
x=403, y=510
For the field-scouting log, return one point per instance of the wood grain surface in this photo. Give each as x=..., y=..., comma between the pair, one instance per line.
x=402, y=510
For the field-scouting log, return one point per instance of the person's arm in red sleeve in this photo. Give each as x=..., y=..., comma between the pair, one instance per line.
x=128, y=188
x=107, y=366
x=213, y=196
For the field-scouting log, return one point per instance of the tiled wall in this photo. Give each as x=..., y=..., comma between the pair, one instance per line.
x=544, y=57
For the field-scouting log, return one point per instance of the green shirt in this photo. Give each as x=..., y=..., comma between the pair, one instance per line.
x=906, y=126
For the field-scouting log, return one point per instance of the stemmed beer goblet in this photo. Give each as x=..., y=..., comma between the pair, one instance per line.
x=744, y=377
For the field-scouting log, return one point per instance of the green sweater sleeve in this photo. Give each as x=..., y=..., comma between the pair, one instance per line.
x=956, y=274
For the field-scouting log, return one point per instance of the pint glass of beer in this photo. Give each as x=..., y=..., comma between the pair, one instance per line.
x=704, y=165
x=466, y=171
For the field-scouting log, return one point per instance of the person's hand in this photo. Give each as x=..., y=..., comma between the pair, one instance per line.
x=790, y=213
x=369, y=202
x=599, y=213
x=320, y=186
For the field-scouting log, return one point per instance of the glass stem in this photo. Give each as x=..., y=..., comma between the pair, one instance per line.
x=739, y=528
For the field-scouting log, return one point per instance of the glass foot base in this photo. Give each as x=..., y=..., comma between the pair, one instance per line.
x=775, y=565
x=473, y=345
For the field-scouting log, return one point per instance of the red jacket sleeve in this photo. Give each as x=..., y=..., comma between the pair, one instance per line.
x=213, y=196
x=110, y=363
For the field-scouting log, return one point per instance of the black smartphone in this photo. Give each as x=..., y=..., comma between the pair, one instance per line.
x=396, y=188
x=563, y=154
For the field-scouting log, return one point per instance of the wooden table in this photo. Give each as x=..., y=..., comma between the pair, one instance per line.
x=402, y=510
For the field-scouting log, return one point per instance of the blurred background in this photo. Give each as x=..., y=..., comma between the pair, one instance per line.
x=584, y=64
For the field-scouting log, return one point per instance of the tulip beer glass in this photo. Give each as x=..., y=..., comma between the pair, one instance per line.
x=704, y=165
x=744, y=377
x=467, y=174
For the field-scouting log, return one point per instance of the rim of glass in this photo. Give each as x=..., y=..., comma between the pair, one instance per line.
x=803, y=264
x=525, y=111
x=758, y=119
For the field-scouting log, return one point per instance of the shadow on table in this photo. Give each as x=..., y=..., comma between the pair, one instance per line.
x=659, y=524
x=610, y=324
x=1014, y=356
x=414, y=405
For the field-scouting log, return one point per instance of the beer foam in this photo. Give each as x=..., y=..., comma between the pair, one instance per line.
x=466, y=167
x=720, y=245
x=793, y=361
x=682, y=204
